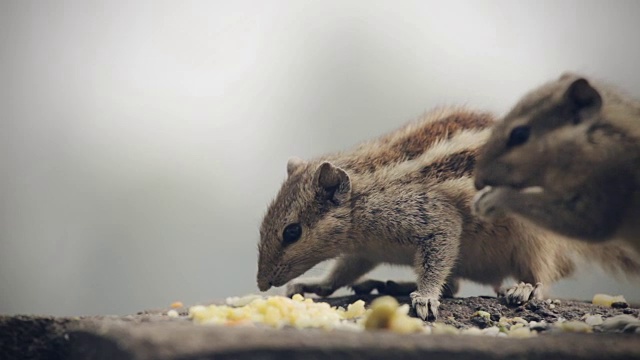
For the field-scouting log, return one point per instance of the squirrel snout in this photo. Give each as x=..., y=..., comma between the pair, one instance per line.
x=264, y=285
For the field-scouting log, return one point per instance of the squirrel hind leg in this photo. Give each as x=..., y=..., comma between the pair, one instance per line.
x=366, y=286
x=390, y=287
x=451, y=287
x=521, y=293
x=400, y=288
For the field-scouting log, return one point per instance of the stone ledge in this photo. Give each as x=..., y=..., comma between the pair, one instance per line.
x=150, y=335
x=186, y=342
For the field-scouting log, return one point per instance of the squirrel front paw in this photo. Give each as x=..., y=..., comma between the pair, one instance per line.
x=487, y=203
x=309, y=287
x=426, y=306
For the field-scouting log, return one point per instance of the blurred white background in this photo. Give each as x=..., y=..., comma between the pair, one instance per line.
x=142, y=140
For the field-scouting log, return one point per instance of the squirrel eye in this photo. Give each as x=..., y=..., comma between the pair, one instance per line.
x=519, y=135
x=291, y=234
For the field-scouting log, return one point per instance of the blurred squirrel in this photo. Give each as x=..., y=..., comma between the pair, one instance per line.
x=567, y=158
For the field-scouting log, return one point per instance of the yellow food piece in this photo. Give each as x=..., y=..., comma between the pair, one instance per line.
x=521, y=332
x=483, y=314
x=172, y=313
x=355, y=310
x=405, y=325
x=574, y=326
x=444, y=329
x=382, y=309
x=402, y=323
x=593, y=320
x=276, y=312
x=298, y=312
x=177, y=305
x=386, y=313
x=607, y=300
x=472, y=331
x=519, y=320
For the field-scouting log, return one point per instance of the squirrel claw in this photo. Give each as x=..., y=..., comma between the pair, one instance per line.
x=521, y=293
x=426, y=307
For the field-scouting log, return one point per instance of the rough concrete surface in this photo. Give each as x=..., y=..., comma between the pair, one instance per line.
x=150, y=335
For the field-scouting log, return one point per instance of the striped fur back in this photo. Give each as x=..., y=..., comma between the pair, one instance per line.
x=441, y=144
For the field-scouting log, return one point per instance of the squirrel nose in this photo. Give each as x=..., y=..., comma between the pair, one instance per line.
x=264, y=285
x=479, y=183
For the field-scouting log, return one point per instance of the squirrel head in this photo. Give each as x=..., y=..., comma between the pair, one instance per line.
x=305, y=224
x=538, y=141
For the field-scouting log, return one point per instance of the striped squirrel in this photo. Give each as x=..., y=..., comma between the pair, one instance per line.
x=567, y=158
x=405, y=198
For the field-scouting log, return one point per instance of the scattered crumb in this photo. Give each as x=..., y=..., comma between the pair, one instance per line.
x=574, y=326
x=483, y=314
x=386, y=313
x=521, y=332
x=444, y=329
x=177, y=305
x=608, y=300
x=593, y=320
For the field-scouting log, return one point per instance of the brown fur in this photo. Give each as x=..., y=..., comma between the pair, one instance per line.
x=583, y=151
x=387, y=202
x=411, y=140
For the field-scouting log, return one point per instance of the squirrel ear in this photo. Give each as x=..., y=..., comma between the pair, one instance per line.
x=582, y=96
x=333, y=183
x=568, y=75
x=293, y=164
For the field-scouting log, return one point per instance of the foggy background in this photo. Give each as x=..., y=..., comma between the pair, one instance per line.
x=141, y=141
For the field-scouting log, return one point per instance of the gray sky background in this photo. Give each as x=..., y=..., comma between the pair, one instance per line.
x=142, y=140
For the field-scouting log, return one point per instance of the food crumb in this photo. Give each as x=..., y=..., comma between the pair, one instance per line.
x=444, y=329
x=608, y=300
x=177, y=305
x=574, y=326
x=593, y=320
x=521, y=332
